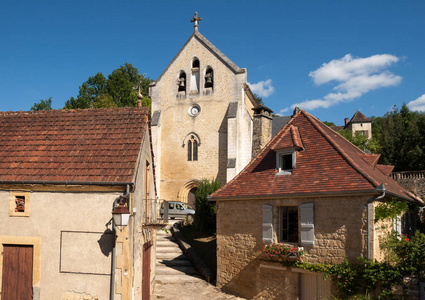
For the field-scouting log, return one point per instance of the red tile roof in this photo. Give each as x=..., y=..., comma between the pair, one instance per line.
x=91, y=145
x=328, y=163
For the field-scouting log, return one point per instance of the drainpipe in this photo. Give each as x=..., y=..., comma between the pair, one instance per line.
x=114, y=232
x=378, y=188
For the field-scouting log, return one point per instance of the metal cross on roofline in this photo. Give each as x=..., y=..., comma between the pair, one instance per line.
x=196, y=20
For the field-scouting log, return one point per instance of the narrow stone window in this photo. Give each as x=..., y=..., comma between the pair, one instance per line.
x=182, y=82
x=194, y=80
x=209, y=78
x=189, y=150
x=192, y=149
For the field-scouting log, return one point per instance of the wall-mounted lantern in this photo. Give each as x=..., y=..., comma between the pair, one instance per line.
x=120, y=213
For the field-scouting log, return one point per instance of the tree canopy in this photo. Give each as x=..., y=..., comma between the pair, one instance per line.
x=120, y=89
x=43, y=105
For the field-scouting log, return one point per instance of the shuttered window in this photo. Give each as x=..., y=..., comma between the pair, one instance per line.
x=307, y=224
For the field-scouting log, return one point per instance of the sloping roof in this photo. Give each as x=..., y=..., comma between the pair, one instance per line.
x=328, y=164
x=207, y=44
x=278, y=123
x=90, y=145
x=359, y=118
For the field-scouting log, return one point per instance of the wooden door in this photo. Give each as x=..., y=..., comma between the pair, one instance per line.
x=17, y=272
x=146, y=273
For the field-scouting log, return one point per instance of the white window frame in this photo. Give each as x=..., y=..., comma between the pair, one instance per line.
x=279, y=160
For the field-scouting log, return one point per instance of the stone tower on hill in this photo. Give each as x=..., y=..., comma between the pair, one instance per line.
x=202, y=119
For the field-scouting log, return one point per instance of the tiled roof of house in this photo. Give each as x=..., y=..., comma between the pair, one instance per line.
x=359, y=118
x=91, y=145
x=327, y=164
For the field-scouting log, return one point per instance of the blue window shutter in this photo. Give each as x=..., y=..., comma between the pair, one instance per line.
x=267, y=224
x=307, y=224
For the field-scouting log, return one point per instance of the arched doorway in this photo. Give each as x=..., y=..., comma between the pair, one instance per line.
x=188, y=191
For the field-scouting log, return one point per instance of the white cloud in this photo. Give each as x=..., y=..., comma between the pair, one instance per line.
x=418, y=104
x=356, y=77
x=262, y=88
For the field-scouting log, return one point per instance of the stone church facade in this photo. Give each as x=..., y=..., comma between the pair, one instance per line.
x=202, y=119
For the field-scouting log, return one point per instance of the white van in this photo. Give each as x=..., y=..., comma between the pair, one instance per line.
x=177, y=209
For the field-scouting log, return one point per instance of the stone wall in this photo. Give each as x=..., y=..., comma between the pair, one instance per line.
x=413, y=181
x=340, y=231
x=176, y=123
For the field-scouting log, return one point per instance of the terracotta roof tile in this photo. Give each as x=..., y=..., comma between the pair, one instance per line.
x=327, y=163
x=100, y=145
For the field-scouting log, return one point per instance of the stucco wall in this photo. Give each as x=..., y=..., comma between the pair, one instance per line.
x=64, y=222
x=339, y=229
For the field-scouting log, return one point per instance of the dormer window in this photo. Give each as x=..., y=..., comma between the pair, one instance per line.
x=285, y=161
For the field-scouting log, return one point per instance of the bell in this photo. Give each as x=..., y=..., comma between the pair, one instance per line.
x=182, y=83
x=209, y=80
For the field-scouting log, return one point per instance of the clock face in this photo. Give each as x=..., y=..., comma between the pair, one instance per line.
x=194, y=110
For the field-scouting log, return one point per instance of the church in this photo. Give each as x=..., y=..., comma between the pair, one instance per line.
x=203, y=115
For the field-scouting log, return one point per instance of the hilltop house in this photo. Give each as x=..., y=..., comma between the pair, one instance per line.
x=358, y=123
x=62, y=172
x=307, y=187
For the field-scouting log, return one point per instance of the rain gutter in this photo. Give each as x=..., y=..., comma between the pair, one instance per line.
x=380, y=188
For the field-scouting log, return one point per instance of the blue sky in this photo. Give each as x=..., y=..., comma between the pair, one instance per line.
x=329, y=57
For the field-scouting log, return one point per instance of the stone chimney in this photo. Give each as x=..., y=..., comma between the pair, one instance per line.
x=139, y=99
x=262, y=128
x=346, y=120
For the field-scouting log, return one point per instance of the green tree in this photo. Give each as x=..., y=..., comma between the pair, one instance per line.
x=205, y=216
x=402, y=139
x=123, y=83
x=329, y=123
x=43, y=105
x=120, y=89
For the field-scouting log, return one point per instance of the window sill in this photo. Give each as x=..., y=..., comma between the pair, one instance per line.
x=284, y=172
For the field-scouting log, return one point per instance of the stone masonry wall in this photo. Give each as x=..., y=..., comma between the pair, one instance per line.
x=340, y=231
x=413, y=181
x=176, y=123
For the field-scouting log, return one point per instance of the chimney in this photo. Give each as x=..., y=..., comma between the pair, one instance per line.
x=346, y=120
x=262, y=128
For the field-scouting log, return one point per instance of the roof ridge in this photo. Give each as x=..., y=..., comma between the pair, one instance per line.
x=353, y=164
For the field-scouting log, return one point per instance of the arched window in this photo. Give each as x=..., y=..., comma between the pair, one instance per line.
x=194, y=80
x=181, y=82
x=192, y=148
x=209, y=78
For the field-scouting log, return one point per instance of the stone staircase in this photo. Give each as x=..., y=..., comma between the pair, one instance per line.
x=172, y=266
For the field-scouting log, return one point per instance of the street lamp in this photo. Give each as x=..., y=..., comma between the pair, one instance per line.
x=120, y=213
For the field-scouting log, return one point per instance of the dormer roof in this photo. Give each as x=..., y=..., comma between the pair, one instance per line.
x=329, y=164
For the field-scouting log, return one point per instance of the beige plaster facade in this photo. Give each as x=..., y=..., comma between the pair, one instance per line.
x=70, y=229
x=340, y=230
x=221, y=126
x=364, y=128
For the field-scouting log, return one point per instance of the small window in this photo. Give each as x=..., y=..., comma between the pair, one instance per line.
x=209, y=78
x=192, y=149
x=194, y=80
x=179, y=206
x=171, y=205
x=289, y=224
x=181, y=82
x=285, y=162
x=19, y=204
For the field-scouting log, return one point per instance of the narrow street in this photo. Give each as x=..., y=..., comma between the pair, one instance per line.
x=176, y=278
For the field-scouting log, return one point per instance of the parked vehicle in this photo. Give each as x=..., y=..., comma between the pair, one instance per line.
x=177, y=209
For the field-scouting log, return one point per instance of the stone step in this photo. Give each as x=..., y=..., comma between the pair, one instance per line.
x=175, y=270
x=170, y=255
x=173, y=262
x=166, y=243
x=171, y=279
